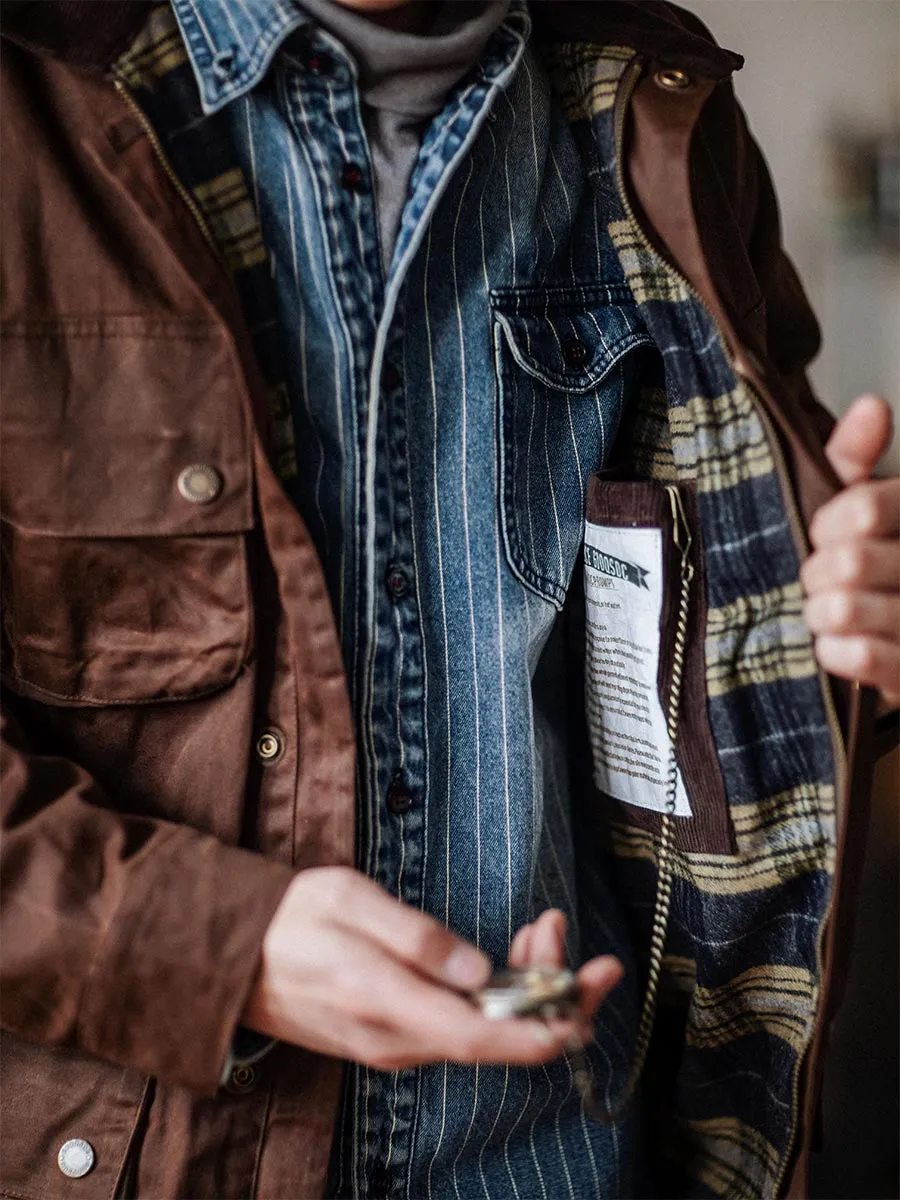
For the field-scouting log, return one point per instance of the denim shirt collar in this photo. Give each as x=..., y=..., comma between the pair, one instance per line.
x=231, y=45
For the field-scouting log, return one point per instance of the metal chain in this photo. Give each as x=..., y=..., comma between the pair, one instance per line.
x=581, y=1071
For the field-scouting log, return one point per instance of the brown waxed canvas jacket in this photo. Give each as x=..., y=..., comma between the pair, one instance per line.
x=148, y=641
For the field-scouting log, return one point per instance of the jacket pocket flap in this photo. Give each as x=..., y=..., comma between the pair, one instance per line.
x=569, y=341
x=122, y=426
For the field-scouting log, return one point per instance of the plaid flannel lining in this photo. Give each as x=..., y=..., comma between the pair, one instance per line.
x=745, y=930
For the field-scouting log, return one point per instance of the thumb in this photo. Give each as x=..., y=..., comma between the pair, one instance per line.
x=859, y=439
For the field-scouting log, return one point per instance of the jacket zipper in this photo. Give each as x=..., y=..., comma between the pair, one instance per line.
x=629, y=84
x=194, y=209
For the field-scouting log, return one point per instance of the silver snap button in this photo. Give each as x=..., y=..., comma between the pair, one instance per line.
x=75, y=1158
x=269, y=746
x=673, y=79
x=199, y=483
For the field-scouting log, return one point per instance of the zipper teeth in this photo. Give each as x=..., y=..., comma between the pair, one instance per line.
x=633, y=73
x=125, y=93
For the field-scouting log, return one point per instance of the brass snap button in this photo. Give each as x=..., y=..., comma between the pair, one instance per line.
x=673, y=79
x=242, y=1079
x=75, y=1158
x=199, y=483
x=269, y=746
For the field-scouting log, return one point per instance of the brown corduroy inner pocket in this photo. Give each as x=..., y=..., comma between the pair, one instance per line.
x=622, y=505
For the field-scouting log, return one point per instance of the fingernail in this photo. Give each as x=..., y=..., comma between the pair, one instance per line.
x=466, y=968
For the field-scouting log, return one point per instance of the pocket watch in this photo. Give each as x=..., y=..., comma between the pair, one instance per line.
x=546, y=993
x=529, y=992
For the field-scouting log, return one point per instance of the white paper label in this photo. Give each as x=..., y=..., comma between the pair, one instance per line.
x=623, y=587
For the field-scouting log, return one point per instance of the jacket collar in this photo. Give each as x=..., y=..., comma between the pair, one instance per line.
x=91, y=35
x=81, y=32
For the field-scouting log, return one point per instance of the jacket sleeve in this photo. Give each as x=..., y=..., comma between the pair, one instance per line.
x=131, y=938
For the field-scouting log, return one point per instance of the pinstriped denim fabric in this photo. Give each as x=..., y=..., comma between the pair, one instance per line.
x=442, y=426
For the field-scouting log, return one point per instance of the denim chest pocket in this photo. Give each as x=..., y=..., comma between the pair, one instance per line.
x=564, y=362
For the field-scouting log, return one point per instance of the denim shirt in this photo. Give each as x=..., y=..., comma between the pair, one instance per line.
x=441, y=422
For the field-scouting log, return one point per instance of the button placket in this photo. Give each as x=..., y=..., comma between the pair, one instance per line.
x=344, y=174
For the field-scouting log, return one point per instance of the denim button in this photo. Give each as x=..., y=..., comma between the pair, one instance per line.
x=381, y=1181
x=390, y=377
x=575, y=352
x=317, y=63
x=75, y=1158
x=397, y=583
x=352, y=177
x=399, y=797
x=224, y=64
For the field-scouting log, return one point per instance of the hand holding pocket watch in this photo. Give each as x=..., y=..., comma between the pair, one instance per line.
x=536, y=984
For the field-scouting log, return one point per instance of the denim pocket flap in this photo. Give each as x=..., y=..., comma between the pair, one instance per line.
x=562, y=340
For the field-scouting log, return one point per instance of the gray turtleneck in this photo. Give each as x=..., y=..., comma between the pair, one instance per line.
x=404, y=79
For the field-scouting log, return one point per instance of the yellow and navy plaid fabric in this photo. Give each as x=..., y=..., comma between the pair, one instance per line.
x=744, y=934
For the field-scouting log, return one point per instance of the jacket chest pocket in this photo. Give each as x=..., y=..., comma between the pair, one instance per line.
x=564, y=361
x=126, y=504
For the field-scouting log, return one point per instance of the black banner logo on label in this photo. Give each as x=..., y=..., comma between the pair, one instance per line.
x=617, y=568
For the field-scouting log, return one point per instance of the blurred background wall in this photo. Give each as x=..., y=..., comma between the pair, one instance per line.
x=821, y=88
x=819, y=73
